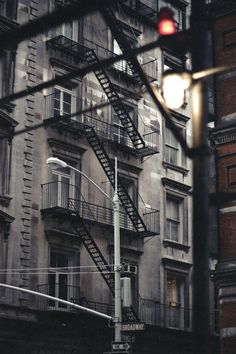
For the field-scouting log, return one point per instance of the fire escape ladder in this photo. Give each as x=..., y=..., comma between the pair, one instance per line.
x=120, y=34
x=116, y=102
x=92, y=248
x=106, y=163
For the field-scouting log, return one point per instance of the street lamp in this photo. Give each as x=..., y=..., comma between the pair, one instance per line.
x=54, y=162
x=174, y=85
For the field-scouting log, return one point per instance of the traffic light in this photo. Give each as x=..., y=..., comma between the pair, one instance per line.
x=165, y=22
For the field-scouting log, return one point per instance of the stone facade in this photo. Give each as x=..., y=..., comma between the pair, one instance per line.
x=56, y=220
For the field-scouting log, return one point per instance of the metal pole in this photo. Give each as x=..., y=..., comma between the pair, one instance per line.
x=117, y=266
x=201, y=303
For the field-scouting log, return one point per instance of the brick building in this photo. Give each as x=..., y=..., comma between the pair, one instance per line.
x=224, y=140
x=56, y=229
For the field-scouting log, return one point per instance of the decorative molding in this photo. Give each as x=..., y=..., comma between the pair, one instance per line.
x=176, y=245
x=5, y=200
x=176, y=185
x=179, y=265
x=66, y=150
x=176, y=168
x=6, y=217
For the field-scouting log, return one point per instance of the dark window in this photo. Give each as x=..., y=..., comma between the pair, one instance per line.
x=58, y=279
x=8, y=8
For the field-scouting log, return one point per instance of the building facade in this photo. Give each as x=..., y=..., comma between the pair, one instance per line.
x=223, y=138
x=56, y=228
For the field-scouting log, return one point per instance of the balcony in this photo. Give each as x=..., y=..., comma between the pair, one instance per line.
x=78, y=51
x=109, y=133
x=141, y=10
x=64, y=198
x=149, y=66
x=173, y=317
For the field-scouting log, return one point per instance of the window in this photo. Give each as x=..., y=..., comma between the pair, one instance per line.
x=69, y=29
x=5, y=155
x=7, y=60
x=8, y=8
x=179, y=11
x=175, y=301
x=63, y=102
x=173, y=219
x=121, y=65
x=131, y=35
x=120, y=134
x=171, y=62
x=130, y=184
x=173, y=153
x=62, y=188
x=171, y=147
x=61, y=283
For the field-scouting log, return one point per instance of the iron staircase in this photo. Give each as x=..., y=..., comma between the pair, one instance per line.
x=109, y=12
x=108, y=168
x=92, y=248
x=116, y=103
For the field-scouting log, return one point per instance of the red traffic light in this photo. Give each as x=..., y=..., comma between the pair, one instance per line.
x=165, y=22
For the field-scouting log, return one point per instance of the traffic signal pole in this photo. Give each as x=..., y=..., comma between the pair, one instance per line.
x=201, y=303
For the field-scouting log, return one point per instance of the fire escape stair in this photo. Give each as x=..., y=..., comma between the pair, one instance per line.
x=116, y=102
x=92, y=248
x=109, y=12
x=108, y=168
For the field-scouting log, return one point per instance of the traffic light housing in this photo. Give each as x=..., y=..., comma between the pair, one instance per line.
x=165, y=22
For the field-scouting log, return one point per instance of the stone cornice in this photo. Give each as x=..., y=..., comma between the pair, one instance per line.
x=176, y=185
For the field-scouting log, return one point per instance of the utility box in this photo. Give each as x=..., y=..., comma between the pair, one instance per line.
x=126, y=296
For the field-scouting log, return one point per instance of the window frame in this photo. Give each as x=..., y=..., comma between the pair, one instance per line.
x=177, y=312
x=169, y=219
x=62, y=91
x=71, y=279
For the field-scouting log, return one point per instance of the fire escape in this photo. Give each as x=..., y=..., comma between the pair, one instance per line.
x=89, y=55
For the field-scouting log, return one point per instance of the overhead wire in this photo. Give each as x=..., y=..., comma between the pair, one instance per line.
x=75, y=73
x=64, y=14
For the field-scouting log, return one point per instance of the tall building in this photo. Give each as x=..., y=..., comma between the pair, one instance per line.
x=224, y=142
x=56, y=226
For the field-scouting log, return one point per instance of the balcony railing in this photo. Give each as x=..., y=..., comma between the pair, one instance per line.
x=152, y=220
x=143, y=10
x=171, y=316
x=65, y=292
x=66, y=196
x=148, y=65
x=74, y=48
x=106, y=131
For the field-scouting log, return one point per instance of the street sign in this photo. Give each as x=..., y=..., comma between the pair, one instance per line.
x=120, y=346
x=120, y=352
x=127, y=327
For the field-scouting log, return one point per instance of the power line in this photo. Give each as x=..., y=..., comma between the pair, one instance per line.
x=75, y=73
x=53, y=268
x=64, y=14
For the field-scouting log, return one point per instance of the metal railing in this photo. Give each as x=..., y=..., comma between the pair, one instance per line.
x=142, y=9
x=66, y=292
x=67, y=196
x=109, y=132
x=58, y=194
x=172, y=316
x=152, y=220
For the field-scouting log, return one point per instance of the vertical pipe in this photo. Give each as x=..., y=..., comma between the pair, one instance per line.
x=201, y=303
x=117, y=267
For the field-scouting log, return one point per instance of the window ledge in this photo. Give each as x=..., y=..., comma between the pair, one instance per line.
x=180, y=169
x=177, y=245
x=5, y=200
